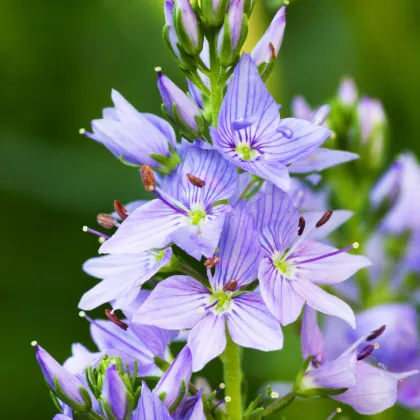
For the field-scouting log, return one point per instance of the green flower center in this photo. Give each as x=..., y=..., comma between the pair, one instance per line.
x=245, y=152
x=159, y=256
x=283, y=266
x=197, y=216
x=223, y=301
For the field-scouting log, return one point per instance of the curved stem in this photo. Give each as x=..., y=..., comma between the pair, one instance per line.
x=233, y=378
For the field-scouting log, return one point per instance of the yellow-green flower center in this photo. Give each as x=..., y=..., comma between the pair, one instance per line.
x=223, y=301
x=197, y=216
x=160, y=255
x=284, y=267
x=246, y=152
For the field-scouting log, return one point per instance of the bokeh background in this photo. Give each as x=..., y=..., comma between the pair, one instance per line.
x=59, y=61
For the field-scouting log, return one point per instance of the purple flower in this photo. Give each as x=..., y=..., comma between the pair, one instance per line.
x=188, y=215
x=131, y=135
x=187, y=27
x=182, y=302
x=268, y=46
x=114, y=393
x=150, y=407
x=187, y=113
x=399, y=184
x=372, y=119
x=250, y=133
x=122, y=277
x=61, y=417
x=347, y=92
x=67, y=386
x=294, y=265
x=370, y=389
x=81, y=358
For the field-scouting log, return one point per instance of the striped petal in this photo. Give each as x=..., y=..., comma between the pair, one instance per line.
x=150, y=407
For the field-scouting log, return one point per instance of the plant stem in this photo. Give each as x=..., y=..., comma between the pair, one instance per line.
x=233, y=378
x=280, y=404
x=216, y=90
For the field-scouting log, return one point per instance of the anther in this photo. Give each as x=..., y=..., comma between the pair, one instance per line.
x=211, y=262
x=287, y=132
x=158, y=69
x=120, y=209
x=273, y=50
x=301, y=226
x=34, y=343
x=196, y=181
x=113, y=318
x=376, y=333
x=82, y=131
x=324, y=219
x=274, y=395
x=366, y=352
x=230, y=286
x=106, y=220
x=332, y=415
x=148, y=178
x=315, y=362
x=95, y=232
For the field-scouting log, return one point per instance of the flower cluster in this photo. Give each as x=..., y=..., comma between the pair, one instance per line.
x=237, y=242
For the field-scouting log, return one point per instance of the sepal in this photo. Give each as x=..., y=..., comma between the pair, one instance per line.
x=214, y=14
x=185, y=61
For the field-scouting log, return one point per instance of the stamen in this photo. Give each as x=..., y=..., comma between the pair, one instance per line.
x=158, y=69
x=287, y=132
x=148, y=178
x=315, y=362
x=82, y=131
x=274, y=395
x=120, y=209
x=226, y=399
x=242, y=123
x=211, y=262
x=95, y=232
x=324, y=219
x=82, y=314
x=301, y=225
x=165, y=198
x=367, y=351
x=117, y=321
x=106, y=220
x=34, y=343
x=331, y=254
x=376, y=333
x=332, y=415
x=230, y=286
x=219, y=389
x=196, y=181
x=273, y=50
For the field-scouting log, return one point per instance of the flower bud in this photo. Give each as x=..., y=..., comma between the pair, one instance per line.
x=187, y=27
x=214, y=11
x=269, y=45
x=347, y=92
x=66, y=386
x=114, y=396
x=233, y=33
x=249, y=5
x=180, y=107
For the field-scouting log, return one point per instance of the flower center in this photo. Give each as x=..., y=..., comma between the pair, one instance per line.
x=221, y=301
x=284, y=267
x=197, y=216
x=160, y=255
x=246, y=152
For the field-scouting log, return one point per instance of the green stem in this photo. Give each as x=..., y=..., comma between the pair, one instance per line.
x=280, y=404
x=233, y=378
x=216, y=90
x=191, y=272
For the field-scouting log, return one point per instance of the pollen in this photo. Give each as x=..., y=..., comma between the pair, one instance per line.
x=158, y=69
x=82, y=314
x=356, y=245
x=82, y=131
x=274, y=395
x=228, y=399
x=246, y=152
x=376, y=346
x=34, y=343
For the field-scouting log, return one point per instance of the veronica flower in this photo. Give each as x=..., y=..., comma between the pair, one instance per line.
x=370, y=389
x=182, y=302
x=294, y=265
x=347, y=92
x=131, y=135
x=250, y=133
x=189, y=215
x=122, y=277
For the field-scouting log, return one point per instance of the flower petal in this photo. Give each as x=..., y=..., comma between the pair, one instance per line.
x=312, y=339
x=251, y=324
x=207, y=340
x=174, y=304
x=282, y=301
x=322, y=301
x=149, y=226
x=239, y=250
x=150, y=407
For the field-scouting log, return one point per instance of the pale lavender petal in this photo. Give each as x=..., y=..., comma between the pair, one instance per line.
x=337, y=374
x=320, y=159
x=195, y=93
x=207, y=340
x=329, y=270
x=322, y=301
x=198, y=411
x=150, y=226
x=61, y=417
x=150, y=407
x=387, y=185
x=174, y=304
x=114, y=392
x=282, y=301
x=179, y=370
x=338, y=218
x=409, y=388
x=80, y=358
x=251, y=324
x=312, y=340
x=300, y=108
x=347, y=92
x=239, y=249
x=375, y=390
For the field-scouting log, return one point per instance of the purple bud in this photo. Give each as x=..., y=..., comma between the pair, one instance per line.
x=235, y=18
x=169, y=11
x=347, y=92
x=114, y=392
x=172, y=95
x=66, y=386
x=214, y=11
x=372, y=119
x=61, y=417
x=320, y=115
x=187, y=28
x=269, y=45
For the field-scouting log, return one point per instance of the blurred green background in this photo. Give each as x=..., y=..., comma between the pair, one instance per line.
x=59, y=62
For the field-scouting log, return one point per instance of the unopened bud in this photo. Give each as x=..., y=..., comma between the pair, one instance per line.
x=120, y=209
x=114, y=318
x=324, y=219
x=148, y=178
x=106, y=220
x=347, y=92
x=211, y=262
x=196, y=181
x=114, y=395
